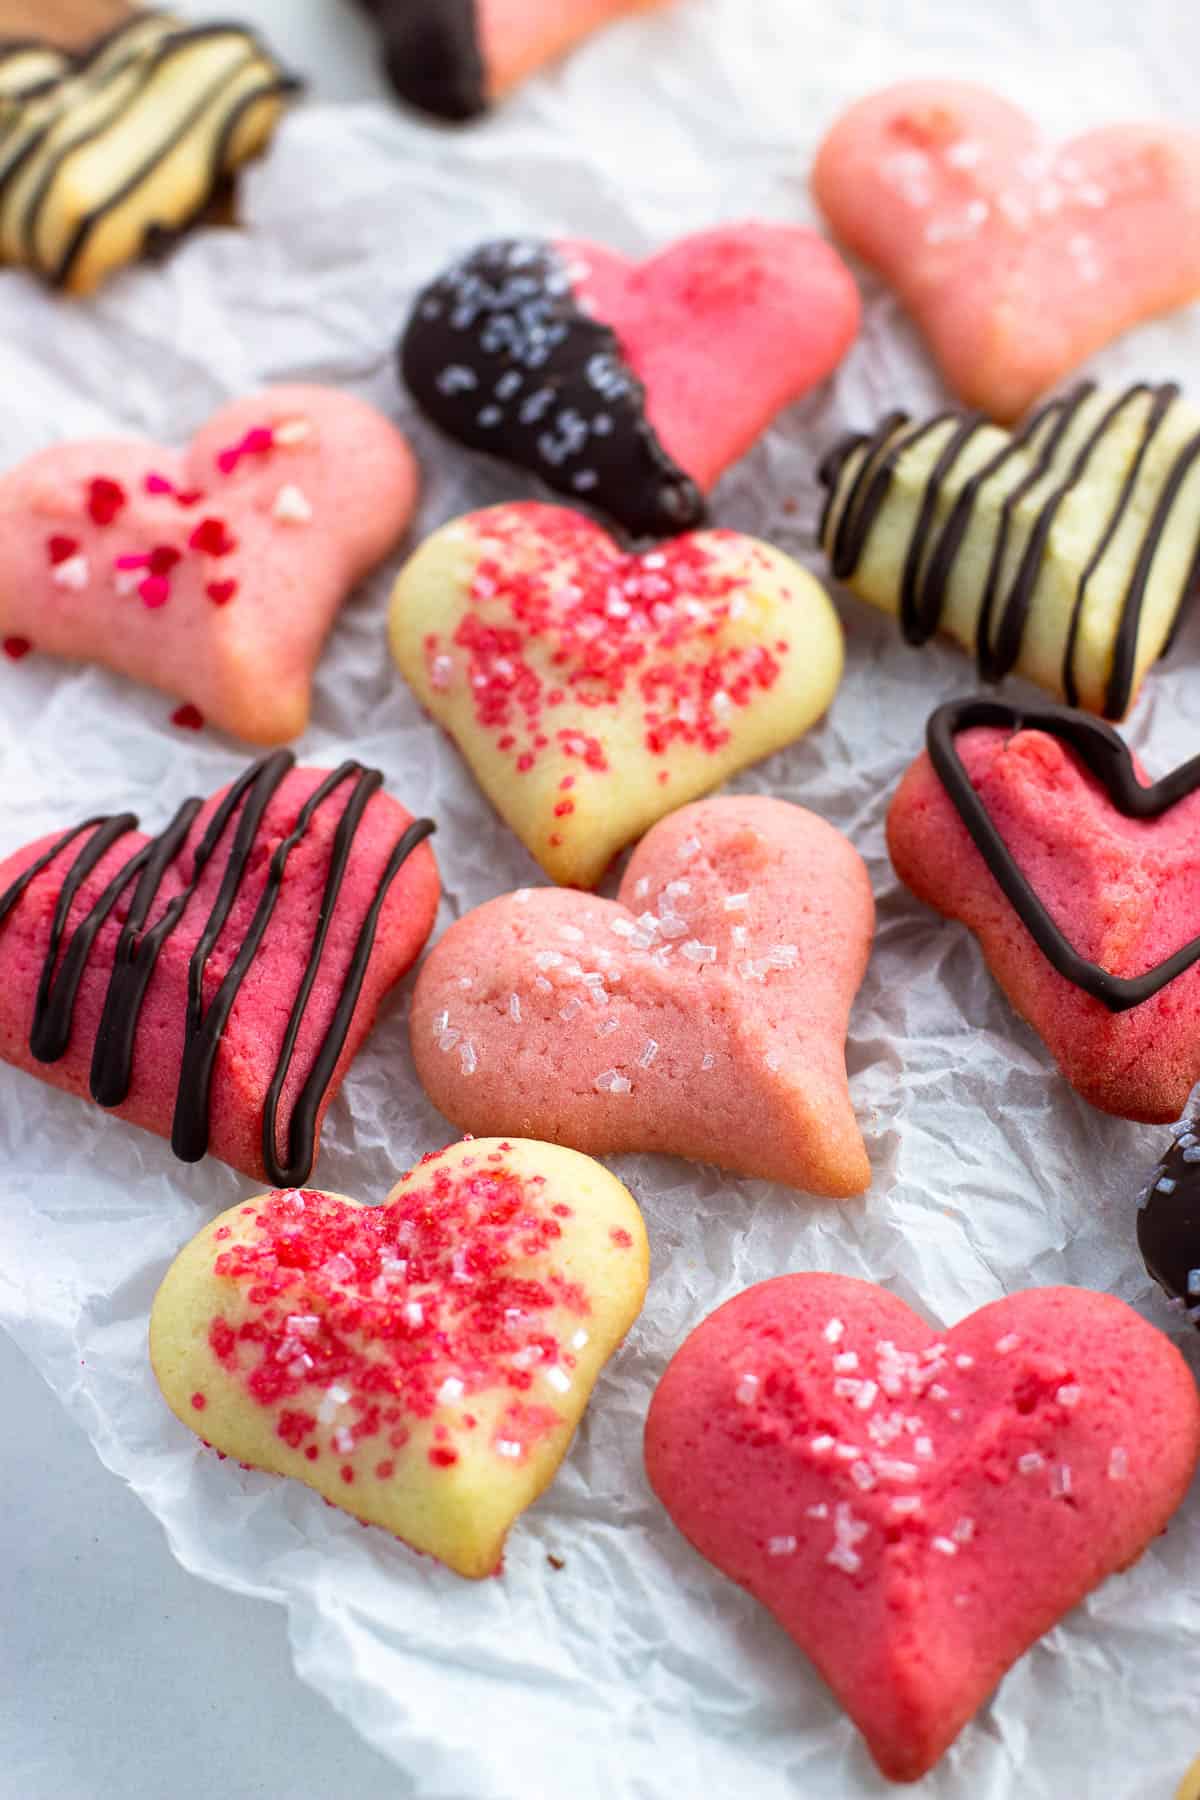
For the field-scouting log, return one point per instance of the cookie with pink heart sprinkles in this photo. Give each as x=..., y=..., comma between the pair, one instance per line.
x=629, y=386
x=213, y=984
x=214, y=573
x=456, y=58
x=1017, y=258
x=918, y=1507
x=702, y=1013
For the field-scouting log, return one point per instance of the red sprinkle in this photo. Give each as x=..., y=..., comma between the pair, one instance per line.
x=442, y=1458
x=188, y=717
x=211, y=538
x=105, y=500
x=17, y=647
x=199, y=1402
x=257, y=442
x=347, y=1474
x=155, y=591
x=221, y=592
x=61, y=549
x=621, y=1237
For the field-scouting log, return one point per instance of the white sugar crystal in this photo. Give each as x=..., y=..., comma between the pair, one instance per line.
x=783, y=956
x=846, y=1361
x=611, y=1081
x=1165, y=1185
x=414, y=1313
x=567, y=1013
x=543, y=986
x=623, y=928
x=823, y=1444
x=964, y=1362
x=834, y=1331
x=906, y=1504
x=606, y=1027
x=343, y=1441
x=964, y=1531
x=863, y=1476
x=451, y=1389
x=579, y=1339
x=572, y=933
x=303, y=1325
x=1030, y=1463
x=924, y=1448
x=649, y=1052
x=508, y=1447
x=514, y=1008
x=773, y=1061
x=1009, y=1342
x=819, y=1511
x=1118, y=1463
x=842, y=1557
x=1069, y=1395
x=338, y=1268
x=847, y=1388
x=1060, y=1480
x=468, y=1059
x=558, y=1378
x=690, y=847
x=746, y=1391
x=965, y=154
x=944, y=1546
x=708, y=1061
x=891, y=1468
x=641, y=887
x=292, y=505
x=75, y=573
x=548, y=959
x=736, y=902
x=699, y=953
x=781, y=1546
x=847, y=1453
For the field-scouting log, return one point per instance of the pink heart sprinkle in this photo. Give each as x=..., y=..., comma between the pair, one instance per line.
x=17, y=647
x=61, y=549
x=158, y=484
x=221, y=592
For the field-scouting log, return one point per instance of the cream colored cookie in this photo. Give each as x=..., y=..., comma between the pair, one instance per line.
x=1062, y=551
x=422, y=1364
x=592, y=692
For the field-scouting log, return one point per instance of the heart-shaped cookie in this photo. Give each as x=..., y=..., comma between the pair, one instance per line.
x=216, y=572
x=629, y=386
x=1065, y=550
x=703, y=1012
x=917, y=1508
x=591, y=691
x=423, y=1364
x=213, y=984
x=456, y=58
x=1017, y=258
x=1038, y=830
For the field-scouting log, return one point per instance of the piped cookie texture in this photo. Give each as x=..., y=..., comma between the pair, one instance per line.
x=422, y=1364
x=1063, y=552
x=703, y=1013
x=107, y=152
x=1017, y=258
x=629, y=386
x=593, y=691
x=916, y=1508
x=214, y=983
x=213, y=573
x=457, y=58
x=1079, y=877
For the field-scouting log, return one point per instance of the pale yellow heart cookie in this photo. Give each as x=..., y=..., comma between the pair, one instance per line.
x=592, y=691
x=423, y=1364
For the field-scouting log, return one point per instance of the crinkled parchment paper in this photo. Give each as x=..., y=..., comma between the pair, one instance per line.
x=635, y=1672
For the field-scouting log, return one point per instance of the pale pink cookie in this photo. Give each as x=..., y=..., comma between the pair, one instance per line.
x=213, y=984
x=592, y=691
x=423, y=1364
x=703, y=1012
x=213, y=573
x=1080, y=879
x=917, y=1508
x=1016, y=257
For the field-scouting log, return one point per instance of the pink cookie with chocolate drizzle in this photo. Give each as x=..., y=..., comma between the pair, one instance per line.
x=1017, y=258
x=592, y=691
x=423, y=1364
x=704, y=1012
x=237, y=891
x=212, y=573
x=917, y=1508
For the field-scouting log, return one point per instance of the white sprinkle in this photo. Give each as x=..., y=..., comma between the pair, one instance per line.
x=489, y=416
x=440, y=1022
x=1193, y=1282
x=924, y=1448
x=1165, y=1185
x=964, y=1531
x=905, y=1504
x=579, y=1339
x=456, y=378
x=514, y=1008
x=74, y=573
x=1060, y=1481
x=522, y=895
x=567, y=1013
x=819, y=1511
x=548, y=959
x=938, y=1392
x=572, y=933
x=740, y=937
x=458, y=1266
x=1070, y=1395
x=783, y=956
x=451, y=1389
x=834, y=1331
x=624, y=928
x=611, y=1081
x=964, y=1362
x=736, y=902
x=823, y=1443
x=649, y=1052
x=1030, y=1463
x=964, y=154
x=606, y=1027
x=847, y=1452
x=690, y=847
x=863, y=1476
x=746, y=1391
x=543, y=986
x=468, y=1060
x=414, y=1313
x=842, y=1557
x=781, y=1546
x=944, y=1546
x=292, y=431
x=847, y=1388
x=889, y=1468
x=303, y=1325
x=343, y=1441
x=292, y=506
x=558, y=1378
x=773, y=1061
x=507, y=1447
x=526, y=1356
x=1005, y=1344
x=1118, y=1463
x=338, y=1268
x=846, y=1361
x=697, y=952
x=708, y=1061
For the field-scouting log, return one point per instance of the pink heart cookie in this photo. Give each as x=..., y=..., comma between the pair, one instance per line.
x=1017, y=258
x=213, y=573
x=703, y=1012
x=917, y=1508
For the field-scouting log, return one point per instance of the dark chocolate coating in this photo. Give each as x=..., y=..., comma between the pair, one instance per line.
x=432, y=54
x=1107, y=758
x=1168, y=1225
x=241, y=814
x=499, y=353
x=1004, y=611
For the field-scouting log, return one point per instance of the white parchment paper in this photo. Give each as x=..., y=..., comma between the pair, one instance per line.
x=635, y=1672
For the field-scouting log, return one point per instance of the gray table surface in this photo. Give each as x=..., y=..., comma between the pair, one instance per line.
x=121, y=1676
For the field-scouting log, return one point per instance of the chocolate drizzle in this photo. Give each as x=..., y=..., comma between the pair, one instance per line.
x=138, y=950
x=500, y=354
x=432, y=54
x=932, y=551
x=1168, y=1225
x=130, y=71
x=1107, y=758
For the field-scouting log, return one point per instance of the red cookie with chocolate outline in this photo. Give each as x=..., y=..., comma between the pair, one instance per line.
x=213, y=573
x=1018, y=259
x=422, y=1364
x=917, y=1508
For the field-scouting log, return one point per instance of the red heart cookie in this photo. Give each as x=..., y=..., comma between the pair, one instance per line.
x=917, y=1508
x=630, y=386
x=1038, y=831
x=216, y=572
x=214, y=983
x=703, y=1012
x=1016, y=258
x=424, y=1363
